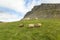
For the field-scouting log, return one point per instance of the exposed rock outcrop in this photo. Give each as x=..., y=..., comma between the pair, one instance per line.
x=44, y=11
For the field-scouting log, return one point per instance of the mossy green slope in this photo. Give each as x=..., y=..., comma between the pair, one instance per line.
x=50, y=30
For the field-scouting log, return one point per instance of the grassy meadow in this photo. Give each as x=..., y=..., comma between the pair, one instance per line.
x=50, y=30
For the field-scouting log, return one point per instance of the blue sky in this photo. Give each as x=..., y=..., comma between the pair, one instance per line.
x=14, y=10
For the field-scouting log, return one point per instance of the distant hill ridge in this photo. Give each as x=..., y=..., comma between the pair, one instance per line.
x=44, y=10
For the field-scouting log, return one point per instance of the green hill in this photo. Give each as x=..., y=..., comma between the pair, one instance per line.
x=50, y=30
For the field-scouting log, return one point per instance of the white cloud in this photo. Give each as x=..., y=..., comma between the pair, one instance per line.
x=8, y=17
x=17, y=5
x=50, y=1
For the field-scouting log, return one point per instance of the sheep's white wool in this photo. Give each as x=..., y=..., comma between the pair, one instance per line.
x=39, y=24
x=31, y=25
x=36, y=18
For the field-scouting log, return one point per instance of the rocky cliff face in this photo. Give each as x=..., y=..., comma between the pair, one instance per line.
x=44, y=11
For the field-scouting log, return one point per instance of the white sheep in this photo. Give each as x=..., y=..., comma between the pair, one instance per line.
x=36, y=18
x=27, y=18
x=31, y=25
x=35, y=25
x=38, y=25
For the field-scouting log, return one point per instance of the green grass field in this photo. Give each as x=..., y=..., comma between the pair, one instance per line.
x=50, y=30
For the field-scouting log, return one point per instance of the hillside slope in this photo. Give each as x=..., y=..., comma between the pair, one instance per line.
x=50, y=30
x=44, y=11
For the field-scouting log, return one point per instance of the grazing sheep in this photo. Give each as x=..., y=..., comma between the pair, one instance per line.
x=31, y=25
x=38, y=25
x=36, y=18
x=21, y=25
x=27, y=18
